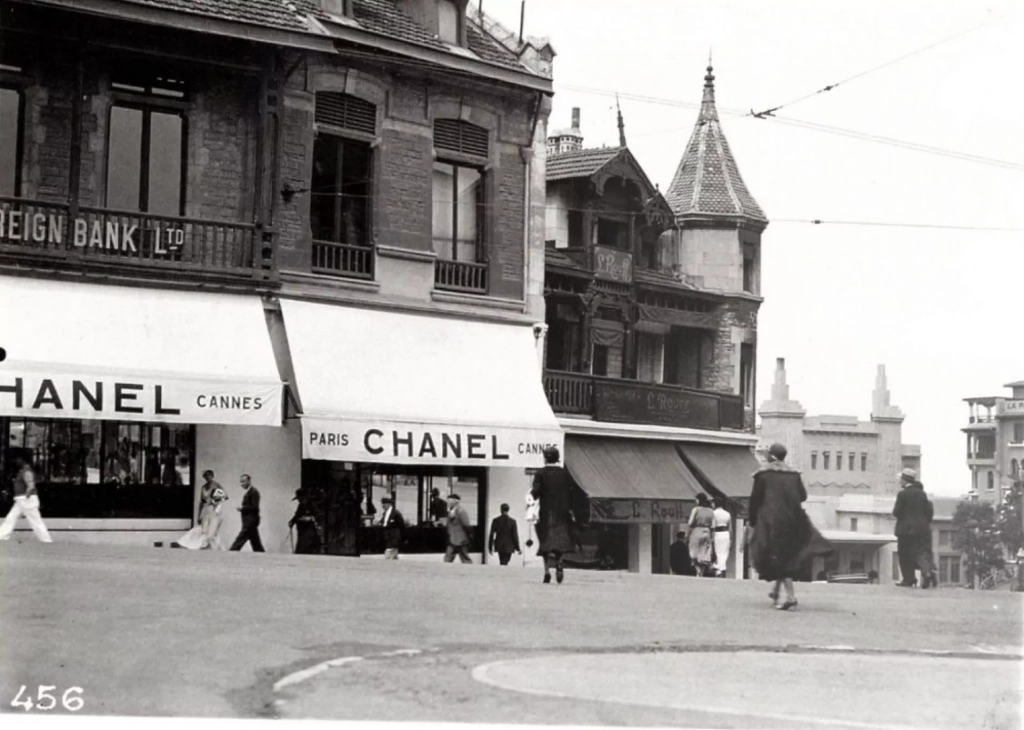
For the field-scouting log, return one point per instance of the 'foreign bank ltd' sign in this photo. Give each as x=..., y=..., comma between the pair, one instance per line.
x=387, y=442
x=86, y=232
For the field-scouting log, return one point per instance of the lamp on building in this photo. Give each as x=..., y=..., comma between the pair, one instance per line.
x=288, y=193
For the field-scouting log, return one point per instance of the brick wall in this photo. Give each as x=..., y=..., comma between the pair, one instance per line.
x=737, y=323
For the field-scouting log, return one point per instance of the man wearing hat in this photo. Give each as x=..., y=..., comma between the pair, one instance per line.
x=913, y=513
x=459, y=531
x=393, y=524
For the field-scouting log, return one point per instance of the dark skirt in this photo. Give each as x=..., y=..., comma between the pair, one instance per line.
x=556, y=537
x=307, y=539
x=781, y=544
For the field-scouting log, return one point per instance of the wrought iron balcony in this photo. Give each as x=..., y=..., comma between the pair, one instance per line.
x=460, y=276
x=633, y=401
x=340, y=259
x=33, y=231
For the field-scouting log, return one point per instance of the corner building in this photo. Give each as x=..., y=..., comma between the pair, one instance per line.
x=299, y=242
x=652, y=307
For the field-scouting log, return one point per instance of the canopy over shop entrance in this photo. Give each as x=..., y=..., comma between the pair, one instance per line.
x=90, y=351
x=388, y=387
x=726, y=471
x=632, y=480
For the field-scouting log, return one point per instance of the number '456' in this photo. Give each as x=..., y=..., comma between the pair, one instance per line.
x=71, y=700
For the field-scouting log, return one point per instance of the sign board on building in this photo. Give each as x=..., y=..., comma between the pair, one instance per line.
x=1013, y=407
x=639, y=511
x=656, y=405
x=613, y=265
x=420, y=443
x=124, y=398
x=89, y=232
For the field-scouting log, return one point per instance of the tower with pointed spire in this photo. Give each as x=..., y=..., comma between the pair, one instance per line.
x=782, y=419
x=719, y=223
x=888, y=421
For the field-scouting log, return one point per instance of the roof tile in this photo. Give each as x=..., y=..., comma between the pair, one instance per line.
x=580, y=163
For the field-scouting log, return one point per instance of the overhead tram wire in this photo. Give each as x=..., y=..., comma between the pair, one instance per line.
x=804, y=124
x=771, y=112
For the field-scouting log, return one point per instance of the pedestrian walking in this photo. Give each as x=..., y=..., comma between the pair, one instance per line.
x=250, y=510
x=723, y=539
x=205, y=535
x=552, y=487
x=393, y=524
x=679, y=556
x=206, y=492
x=309, y=536
x=438, y=508
x=701, y=523
x=459, y=531
x=782, y=534
x=26, y=502
x=504, y=536
x=913, y=513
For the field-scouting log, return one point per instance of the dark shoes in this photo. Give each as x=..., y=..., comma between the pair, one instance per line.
x=559, y=574
x=790, y=603
x=904, y=584
x=547, y=577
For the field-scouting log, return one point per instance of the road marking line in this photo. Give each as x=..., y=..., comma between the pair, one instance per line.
x=482, y=674
x=304, y=674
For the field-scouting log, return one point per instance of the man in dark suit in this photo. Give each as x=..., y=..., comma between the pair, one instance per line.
x=393, y=524
x=913, y=513
x=504, y=536
x=459, y=531
x=679, y=556
x=250, y=510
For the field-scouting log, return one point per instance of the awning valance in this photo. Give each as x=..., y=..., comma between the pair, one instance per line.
x=727, y=469
x=91, y=351
x=631, y=480
x=404, y=388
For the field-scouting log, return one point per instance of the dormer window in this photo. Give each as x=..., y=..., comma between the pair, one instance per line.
x=451, y=22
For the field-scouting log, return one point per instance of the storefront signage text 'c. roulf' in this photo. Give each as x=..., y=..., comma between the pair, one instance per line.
x=398, y=443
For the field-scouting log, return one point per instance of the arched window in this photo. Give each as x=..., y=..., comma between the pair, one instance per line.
x=991, y=481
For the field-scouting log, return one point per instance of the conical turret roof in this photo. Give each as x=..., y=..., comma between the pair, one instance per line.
x=707, y=182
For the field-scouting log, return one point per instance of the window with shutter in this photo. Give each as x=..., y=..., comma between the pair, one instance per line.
x=345, y=111
x=463, y=138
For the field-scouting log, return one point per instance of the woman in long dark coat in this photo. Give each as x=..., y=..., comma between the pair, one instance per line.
x=309, y=540
x=783, y=536
x=552, y=486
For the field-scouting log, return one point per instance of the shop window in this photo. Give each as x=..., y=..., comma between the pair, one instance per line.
x=814, y=460
x=11, y=141
x=458, y=193
x=863, y=461
x=747, y=375
x=857, y=564
x=107, y=469
x=852, y=461
x=825, y=460
x=146, y=159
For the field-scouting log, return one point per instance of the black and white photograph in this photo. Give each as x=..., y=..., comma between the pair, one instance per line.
x=512, y=363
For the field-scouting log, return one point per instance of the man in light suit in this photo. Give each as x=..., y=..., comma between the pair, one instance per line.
x=459, y=531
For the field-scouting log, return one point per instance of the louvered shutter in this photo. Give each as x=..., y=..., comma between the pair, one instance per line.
x=346, y=112
x=455, y=135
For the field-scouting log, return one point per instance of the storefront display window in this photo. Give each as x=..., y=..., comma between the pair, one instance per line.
x=105, y=469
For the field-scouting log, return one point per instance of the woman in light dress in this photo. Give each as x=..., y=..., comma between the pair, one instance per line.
x=702, y=521
x=723, y=541
x=204, y=536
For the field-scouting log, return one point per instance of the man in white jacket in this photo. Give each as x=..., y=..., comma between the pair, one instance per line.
x=26, y=502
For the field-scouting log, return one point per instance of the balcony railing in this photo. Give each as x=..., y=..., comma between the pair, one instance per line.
x=633, y=401
x=460, y=276
x=32, y=229
x=340, y=259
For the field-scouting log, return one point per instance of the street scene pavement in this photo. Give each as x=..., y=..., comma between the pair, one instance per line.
x=159, y=632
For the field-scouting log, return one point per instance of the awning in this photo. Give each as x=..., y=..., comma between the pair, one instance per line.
x=93, y=351
x=726, y=469
x=402, y=388
x=631, y=480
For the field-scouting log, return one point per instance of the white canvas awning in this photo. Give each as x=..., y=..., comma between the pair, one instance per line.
x=93, y=351
x=383, y=386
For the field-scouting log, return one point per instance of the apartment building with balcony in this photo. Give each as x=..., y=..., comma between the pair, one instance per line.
x=291, y=240
x=995, y=442
x=652, y=306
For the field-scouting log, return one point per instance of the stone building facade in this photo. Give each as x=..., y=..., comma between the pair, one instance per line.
x=995, y=443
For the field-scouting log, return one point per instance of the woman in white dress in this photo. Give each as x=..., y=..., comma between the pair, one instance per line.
x=204, y=536
x=723, y=541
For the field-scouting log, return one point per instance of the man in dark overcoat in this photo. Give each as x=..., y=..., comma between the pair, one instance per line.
x=393, y=524
x=552, y=487
x=913, y=513
x=504, y=536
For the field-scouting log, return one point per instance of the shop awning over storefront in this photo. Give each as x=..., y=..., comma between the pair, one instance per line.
x=631, y=480
x=727, y=469
x=383, y=386
x=120, y=353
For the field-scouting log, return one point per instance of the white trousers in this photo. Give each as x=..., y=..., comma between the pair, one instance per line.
x=722, y=545
x=28, y=506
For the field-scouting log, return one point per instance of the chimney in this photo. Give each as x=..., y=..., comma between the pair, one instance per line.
x=576, y=119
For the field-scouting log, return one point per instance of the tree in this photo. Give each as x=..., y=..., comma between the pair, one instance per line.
x=1008, y=519
x=975, y=535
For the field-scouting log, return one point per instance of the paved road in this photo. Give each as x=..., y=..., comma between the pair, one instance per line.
x=173, y=633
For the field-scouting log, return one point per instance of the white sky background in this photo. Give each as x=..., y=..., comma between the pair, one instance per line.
x=942, y=309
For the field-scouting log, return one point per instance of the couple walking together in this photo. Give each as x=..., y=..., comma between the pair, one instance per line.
x=206, y=534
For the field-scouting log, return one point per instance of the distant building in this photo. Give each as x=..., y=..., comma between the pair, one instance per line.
x=995, y=442
x=851, y=471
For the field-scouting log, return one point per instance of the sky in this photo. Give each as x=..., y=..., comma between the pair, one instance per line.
x=941, y=308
